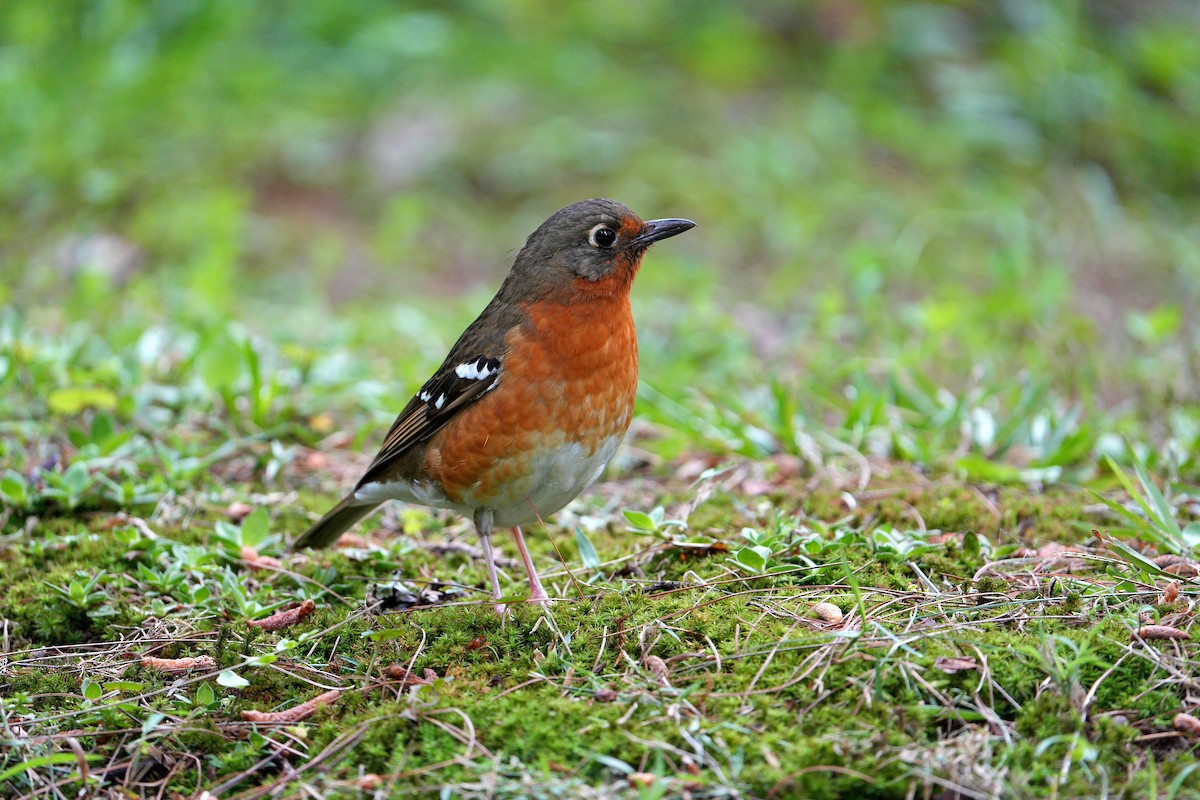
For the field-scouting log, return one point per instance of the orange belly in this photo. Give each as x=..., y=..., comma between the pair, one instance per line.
x=562, y=405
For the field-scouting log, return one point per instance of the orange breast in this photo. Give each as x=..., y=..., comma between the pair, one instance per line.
x=569, y=377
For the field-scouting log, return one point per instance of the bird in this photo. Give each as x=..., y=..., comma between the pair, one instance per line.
x=534, y=398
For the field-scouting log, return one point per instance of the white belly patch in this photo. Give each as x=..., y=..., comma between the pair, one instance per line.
x=556, y=478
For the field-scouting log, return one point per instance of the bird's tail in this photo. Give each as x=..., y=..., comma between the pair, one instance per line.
x=327, y=530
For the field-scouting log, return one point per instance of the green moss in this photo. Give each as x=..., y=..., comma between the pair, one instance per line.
x=1047, y=715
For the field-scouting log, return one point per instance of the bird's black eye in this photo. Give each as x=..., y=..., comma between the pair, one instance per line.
x=602, y=236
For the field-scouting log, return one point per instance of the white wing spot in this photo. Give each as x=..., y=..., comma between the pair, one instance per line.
x=425, y=397
x=476, y=370
x=441, y=401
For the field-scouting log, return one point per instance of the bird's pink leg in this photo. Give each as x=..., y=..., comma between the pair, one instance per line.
x=483, y=526
x=536, y=593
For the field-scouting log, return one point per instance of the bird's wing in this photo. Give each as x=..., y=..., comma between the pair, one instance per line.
x=455, y=386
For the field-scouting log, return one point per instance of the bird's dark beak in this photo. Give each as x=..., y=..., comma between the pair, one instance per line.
x=656, y=229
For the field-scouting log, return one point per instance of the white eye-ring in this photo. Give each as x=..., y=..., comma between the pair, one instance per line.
x=602, y=236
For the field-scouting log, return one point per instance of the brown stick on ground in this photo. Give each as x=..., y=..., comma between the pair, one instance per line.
x=179, y=664
x=1160, y=632
x=659, y=669
x=1187, y=725
x=283, y=619
x=295, y=713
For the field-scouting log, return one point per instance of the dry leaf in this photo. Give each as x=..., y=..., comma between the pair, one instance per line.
x=1186, y=724
x=1055, y=549
x=786, y=466
x=755, y=487
x=1177, y=565
x=294, y=714
x=256, y=562
x=1160, y=632
x=283, y=619
x=952, y=664
x=659, y=669
x=477, y=642
x=238, y=511
x=640, y=780
x=605, y=695
x=400, y=673
x=179, y=664
x=369, y=782
x=1170, y=594
x=321, y=423
x=354, y=541
x=828, y=612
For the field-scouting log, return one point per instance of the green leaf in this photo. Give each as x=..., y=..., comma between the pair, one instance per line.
x=1191, y=535
x=205, y=695
x=1131, y=490
x=92, y=690
x=14, y=489
x=123, y=686
x=613, y=764
x=76, y=479
x=151, y=722
x=44, y=761
x=102, y=427
x=751, y=558
x=255, y=528
x=640, y=520
x=73, y=399
x=228, y=532
x=219, y=364
x=1153, y=327
x=231, y=680
x=978, y=468
x=1134, y=558
x=1166, y=514
x=587, y=551
x=971, y=547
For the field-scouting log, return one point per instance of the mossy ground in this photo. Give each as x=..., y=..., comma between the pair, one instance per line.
x=929, y=357
x=981, y=672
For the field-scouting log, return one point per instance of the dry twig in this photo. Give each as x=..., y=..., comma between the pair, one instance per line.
x=284, y=619
x=295, y=713
x=658, y=668
x=1160, y=632
x=179, y=664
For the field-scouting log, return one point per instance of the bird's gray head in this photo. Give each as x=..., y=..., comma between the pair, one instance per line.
x=593, y=241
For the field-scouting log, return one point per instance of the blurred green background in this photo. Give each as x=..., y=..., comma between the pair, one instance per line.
x=922, y=196
x=942, y=246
